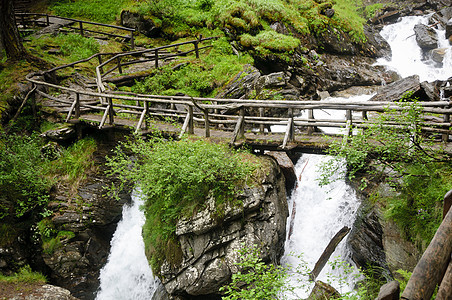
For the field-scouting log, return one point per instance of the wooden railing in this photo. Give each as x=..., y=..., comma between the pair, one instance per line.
x=234, y=115
x=26, y=19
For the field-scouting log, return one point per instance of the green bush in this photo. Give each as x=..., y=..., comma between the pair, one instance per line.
x=22, y=184
x=411, y=164
x=176, y=177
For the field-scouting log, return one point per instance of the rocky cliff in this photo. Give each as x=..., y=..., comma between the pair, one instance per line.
x=209, y=244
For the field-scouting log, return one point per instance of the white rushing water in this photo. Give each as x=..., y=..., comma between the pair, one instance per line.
x=318, y=214
x=127, y=274
x=407, y=58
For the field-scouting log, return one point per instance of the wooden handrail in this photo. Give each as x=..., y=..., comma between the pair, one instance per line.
x=81, y=22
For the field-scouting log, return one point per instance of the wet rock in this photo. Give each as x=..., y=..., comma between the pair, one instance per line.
x=46, y=292
x=389, y=291
x=60, y=134
x=242, y=84
x=142, y=24
x=323, y=290
x=449, y=29
x=287, y=167
x=431, y=90
x=329, y=12
x=426, y=37
x=209, y=243
x=273, y=80
x=395, y=90
x=366, y=244
x=438, y=55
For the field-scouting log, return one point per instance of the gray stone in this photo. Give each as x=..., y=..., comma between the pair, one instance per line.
x=287, y=167
x=273, y=80
x=46, y=292
x=431, y=91
x=449, y=29
x=242, y=84
x=438, y=54
x=395, y=90
x=426, y=37
x=142, y=24
x=389, y=291
x=330, y=12
x=60, y=134
x=210, y=244
x=323, y=290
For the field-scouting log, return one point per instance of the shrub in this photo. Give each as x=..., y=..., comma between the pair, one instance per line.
x=94, y=10
x=25, y=275
x=176, y=177
x=22, y=183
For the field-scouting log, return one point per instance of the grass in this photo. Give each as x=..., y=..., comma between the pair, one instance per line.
x=25, y=275
x=94, y=10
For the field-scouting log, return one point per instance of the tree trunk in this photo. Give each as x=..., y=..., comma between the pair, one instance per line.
x=9, y=34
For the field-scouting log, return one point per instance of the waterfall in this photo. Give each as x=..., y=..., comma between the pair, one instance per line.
x=127, y=274
x=318, y=214
x=407, y=57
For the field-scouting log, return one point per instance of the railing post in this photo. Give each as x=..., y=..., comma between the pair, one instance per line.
x=132, y=40
x=99, y=57
x=77, y=105
x=349, y=126
x=146, y=108
x=47, y=20
x=197, y=45
x=261, y=114
x=241, y=133
x=206, y=122
x=23, y=21
x=310, y=117
x=119, y=64
x=111, y=118
x=292, y=128
x=81, y=27
x=156, y=54
x=445, y=136
x=191, y=129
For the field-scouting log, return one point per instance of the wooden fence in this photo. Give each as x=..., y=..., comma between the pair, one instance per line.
x=27, y=19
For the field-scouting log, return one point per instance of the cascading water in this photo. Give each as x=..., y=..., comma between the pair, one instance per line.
x=318, y=215
x=407, y=57
x=127, y=274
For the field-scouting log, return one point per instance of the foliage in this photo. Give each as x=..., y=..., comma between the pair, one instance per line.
x=255, y=279
x=185, y=17
x=405, y=276
x=25, y=275
x=371, y=10
x=21, y=168
x=77, y=47
x=418, y=172
x=176, y=177
x=200, y=77
x=94, y=10
x=74, y=162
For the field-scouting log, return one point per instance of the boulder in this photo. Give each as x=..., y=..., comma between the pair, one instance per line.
x=242, y=84
x=438, y=55
x=45, y=292
x=366, y=244
x=431, y=90
x=426, y=37
x=287, y=167
x=60, y=134
x=449, y=29
x=395, y=90
x=142, y=24
x=323, y=290
x=210, y=244
x=389, y=291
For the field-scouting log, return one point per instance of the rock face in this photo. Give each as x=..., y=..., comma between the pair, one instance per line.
x=46, y=292
x=209, y=244
x=144, y=25
x=395, y=91
x=426, y=37
x=366, y=243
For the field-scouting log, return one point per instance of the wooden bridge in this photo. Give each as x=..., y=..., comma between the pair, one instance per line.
x=237, y=120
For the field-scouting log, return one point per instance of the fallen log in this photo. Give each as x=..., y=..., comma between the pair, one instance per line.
x=328, y=251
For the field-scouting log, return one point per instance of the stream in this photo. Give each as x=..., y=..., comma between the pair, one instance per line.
x=320, y=212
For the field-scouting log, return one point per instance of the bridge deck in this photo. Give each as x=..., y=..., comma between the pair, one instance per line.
x=316, y=143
